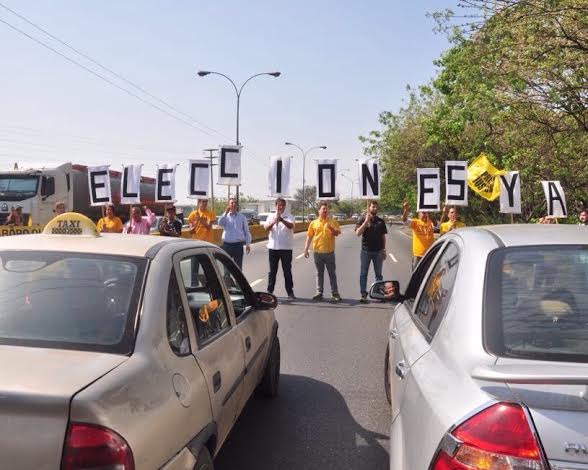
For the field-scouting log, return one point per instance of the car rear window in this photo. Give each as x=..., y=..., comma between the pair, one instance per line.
x=69, y=300
x=536, y=303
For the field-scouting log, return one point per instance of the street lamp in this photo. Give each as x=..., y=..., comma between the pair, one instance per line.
x=238, y=90
x=304, y=153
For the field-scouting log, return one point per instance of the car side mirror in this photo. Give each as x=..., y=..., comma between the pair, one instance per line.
x=386, y=290
x=265, y=301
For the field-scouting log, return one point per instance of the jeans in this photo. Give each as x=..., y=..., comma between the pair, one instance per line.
x=235, y=251
x=285, y=256
x=320, y=261
x=375, y=257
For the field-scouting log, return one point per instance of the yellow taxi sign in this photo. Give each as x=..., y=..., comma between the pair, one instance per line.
x=71, y=223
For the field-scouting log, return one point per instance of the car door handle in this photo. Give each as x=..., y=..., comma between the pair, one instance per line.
x=394, y=333
x=216, y=382
x=400, y=369
x=247, y=344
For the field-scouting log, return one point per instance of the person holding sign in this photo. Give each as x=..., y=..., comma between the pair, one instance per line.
x=422, y=233
x=235, y=232
x=322, y=233
x=139, y=224
x=280, y=228
x=201, y=221
x=372, y=231
x=453, y=222
x=110, y=223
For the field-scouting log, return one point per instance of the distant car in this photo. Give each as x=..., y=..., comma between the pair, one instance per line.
x=310, y=217
x=251, y=216
x=126, y=352
x=487, y=361
x=298, y=219
x=264, y=215
x=340, y=216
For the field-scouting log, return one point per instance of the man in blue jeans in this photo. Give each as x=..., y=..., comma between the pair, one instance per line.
x=372, y=231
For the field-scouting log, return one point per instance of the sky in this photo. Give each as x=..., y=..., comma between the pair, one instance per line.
x=342, y=63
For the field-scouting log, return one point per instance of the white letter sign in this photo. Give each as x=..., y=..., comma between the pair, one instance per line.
x=199, y=179
x=456, y=187
x=556, y=199
x=428, y=189
x=369, y=178
x=279, y=177
x=165, y=190
x=510, y=193
x=99, y=184
x=130, y=184
x=230, y=165
x=326, y=178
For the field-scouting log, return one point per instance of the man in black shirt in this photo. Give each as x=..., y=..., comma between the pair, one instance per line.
x=372, y=231
x=170, y=226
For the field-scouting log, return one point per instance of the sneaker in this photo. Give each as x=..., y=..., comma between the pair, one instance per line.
x=291, y=296
x=336, y=298
x=363, y=299
x=318, y=296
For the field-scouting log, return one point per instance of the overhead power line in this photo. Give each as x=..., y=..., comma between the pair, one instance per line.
x=187, y=119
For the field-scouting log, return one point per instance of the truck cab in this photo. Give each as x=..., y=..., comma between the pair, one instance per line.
x=36, y=191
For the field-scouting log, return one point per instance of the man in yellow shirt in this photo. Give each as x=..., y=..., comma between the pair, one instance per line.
x=322, y=232
x=110, y=223
x=201, y=221
x=422, y=233
x=453, y=222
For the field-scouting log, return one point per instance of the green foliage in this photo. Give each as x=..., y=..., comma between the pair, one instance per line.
x=514, y=84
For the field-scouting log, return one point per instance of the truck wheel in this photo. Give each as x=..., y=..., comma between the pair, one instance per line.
x=387, y=375
x=204, y=460
x=271, y=377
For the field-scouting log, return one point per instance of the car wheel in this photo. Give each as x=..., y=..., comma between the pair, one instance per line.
x=387, y=375
x=204, y=460
x=271, y=376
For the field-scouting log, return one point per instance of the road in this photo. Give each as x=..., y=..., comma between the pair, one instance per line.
x=331, y=412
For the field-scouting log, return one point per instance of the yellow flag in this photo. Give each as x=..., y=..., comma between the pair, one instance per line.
x=483, y=178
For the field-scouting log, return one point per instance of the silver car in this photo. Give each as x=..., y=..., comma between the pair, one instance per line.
x=486, y=366
x=125, y=352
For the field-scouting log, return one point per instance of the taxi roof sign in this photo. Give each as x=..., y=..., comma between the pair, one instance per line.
x=73, y=224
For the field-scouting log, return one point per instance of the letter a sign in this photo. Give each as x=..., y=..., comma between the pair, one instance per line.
x=369, y=178
x=556, y=199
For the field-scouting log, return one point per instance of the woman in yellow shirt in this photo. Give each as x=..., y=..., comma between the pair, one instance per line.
x=110, y=223
x=452, y=223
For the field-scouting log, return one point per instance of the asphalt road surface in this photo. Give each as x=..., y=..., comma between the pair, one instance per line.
x=331, y=412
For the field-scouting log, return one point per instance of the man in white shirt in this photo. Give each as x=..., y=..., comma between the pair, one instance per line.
x=280, y=228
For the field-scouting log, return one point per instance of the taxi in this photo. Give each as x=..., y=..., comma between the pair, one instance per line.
x=126, y=352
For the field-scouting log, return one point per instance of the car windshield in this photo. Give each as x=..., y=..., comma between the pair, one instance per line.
x=69, y=300
x=537, y=303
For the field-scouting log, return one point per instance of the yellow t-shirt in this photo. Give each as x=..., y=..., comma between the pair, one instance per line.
x=113, y=225
x=422, y=236
x=446, y=226
x=200, y=232
x=323, y=241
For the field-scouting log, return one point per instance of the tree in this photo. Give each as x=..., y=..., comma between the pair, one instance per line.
x=308, y=198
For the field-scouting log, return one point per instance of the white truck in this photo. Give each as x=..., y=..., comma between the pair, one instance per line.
x=37, y=190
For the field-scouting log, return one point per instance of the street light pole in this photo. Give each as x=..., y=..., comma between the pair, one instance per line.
x=238, y=91
x=304, y=153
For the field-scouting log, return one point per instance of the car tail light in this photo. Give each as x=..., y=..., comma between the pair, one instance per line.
x=89, y=447
x=497, y=438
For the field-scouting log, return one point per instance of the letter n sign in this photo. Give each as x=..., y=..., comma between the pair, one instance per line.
x=369, y=179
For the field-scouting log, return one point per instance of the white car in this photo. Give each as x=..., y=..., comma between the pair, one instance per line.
x=487, y=361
